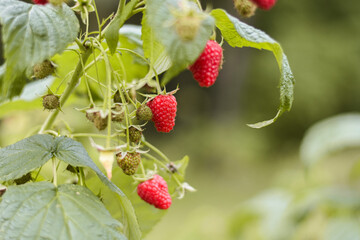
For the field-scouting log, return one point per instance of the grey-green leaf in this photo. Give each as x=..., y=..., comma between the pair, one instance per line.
x=239, y=34
x=32, y=33
x=74, y=153
x=43, y=211
x=24, y=156
x=112, y=31
x=330, y=135
x=33, y=152
x=161, y=18
x=153, y=50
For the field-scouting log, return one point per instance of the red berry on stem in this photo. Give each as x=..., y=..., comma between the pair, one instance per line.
x=41, y=2
x=164, y=109
x=155, y=192
x=206, y=68
x=265, y=4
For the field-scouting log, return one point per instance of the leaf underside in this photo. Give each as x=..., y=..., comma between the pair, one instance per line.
x=32, y=33
x=239, y=34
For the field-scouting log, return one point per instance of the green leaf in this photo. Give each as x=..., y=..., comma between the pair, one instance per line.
x=239, y=34
x=112, y=31
x=161, y=17
x=153, y=50
x=29, y=99
x=43, y=211
x=32, y=33
x=74, y=153
x=25, y=156
x=329, y=136
x=343, y=228
x=33, y=152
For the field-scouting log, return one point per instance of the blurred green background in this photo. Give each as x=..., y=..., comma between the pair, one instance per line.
x=231, y=163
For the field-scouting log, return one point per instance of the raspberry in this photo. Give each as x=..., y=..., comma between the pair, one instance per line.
x=163, y=108
x=246, y=8
x=155, y=192
x=134, y=134
x=206, y=68
x=144, y=113
x=117, y=97
x=44, y=69
x=265, y=4
x=99, y=122
x=51, y=102
x=129, y=164
x=118, y=114
x=187, y=25
x=90, y=116
x=41, y=2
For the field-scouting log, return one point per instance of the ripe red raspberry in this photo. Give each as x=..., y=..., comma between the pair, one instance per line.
x=265, y=4
x=163, y=108
x=41, y=2
x=206, y=68
x=155, y=192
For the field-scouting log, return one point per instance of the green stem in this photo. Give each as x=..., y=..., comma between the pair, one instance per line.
x=75, y=135
x=68, y=91
x=126, y=120
x=80, y=45
x=199, y=4
x=150, y=65
x=164, y=166
x=54, y=171
x=156, y=160
x=82, y=177
x=142, y=169
x=156, y=150
x=98, y=19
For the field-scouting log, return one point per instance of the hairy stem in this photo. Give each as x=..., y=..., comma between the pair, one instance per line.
x=153, y=148
x=68, y=91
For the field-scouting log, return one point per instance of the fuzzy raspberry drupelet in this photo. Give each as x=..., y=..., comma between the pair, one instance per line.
x=164, y=109
x=155, y=192
x=265, y=4
x=206, y=68
x=41, y=2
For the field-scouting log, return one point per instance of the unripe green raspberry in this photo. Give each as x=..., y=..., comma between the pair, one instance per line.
x=187, y=26
x=245, y=8
x=134, y=134
x=117, y=97
x=24, y=179
x=44, y=69
x=144, y=113
x=51, y=102
x=129, y=164
x=91, y=116
x=118, y=114
x=99, y=122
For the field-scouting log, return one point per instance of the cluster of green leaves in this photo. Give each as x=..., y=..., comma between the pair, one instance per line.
x=126, y=55
x=63, y=203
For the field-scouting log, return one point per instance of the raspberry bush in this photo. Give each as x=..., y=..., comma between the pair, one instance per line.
x=115, y=77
